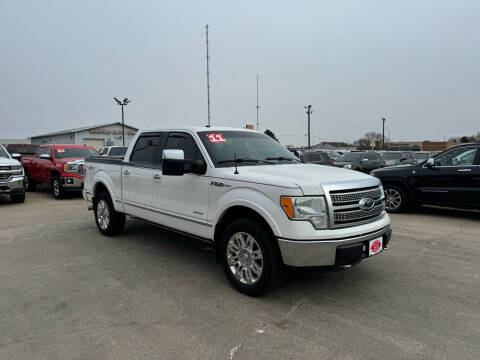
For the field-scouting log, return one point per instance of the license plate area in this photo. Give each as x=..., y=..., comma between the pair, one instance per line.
x=375, y=246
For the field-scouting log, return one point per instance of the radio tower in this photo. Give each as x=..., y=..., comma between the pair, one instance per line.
x=208, y=77
x=258, y=107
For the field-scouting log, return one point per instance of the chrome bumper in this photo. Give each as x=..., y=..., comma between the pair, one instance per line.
x=15, y=184
x=323, y=252
x=72, y=182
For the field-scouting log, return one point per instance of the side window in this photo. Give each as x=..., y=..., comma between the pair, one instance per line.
x=40, y=151
x=185, y=142
x=49, y=152
x=457, y=157
x=115, y=151
x=145, y=148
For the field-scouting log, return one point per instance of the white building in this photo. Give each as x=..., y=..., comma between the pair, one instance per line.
x=95, y=135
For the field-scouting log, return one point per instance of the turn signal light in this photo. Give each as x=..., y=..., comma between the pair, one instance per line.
x=287, y=205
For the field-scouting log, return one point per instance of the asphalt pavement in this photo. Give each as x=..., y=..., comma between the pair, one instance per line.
x=67, y=292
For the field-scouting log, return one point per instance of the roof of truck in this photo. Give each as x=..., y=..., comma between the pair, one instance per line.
x=198, y=129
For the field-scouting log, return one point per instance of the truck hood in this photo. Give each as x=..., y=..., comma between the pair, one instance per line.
x=308, y=177
x=8, y=162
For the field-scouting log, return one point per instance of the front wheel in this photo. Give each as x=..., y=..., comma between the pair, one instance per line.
x=250, y=260
x=28, y=182
x=395, y=198
x=109, y=222
x=57, y=189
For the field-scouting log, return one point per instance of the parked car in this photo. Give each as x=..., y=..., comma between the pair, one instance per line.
x=113, y=151
x=25, y=150
x=421, y=156
x=58, y=166
x=11, y=176
x=316, y=157
x=360, y=161
x=450, y=178
x=393, y=158
x=247, y=196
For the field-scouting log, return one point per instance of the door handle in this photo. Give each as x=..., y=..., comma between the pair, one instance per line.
x=156, y=176
x=464, y=170
x=126, y=172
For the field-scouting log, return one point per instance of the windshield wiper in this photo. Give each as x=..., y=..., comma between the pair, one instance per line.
x=240, y=160
x=281, y=158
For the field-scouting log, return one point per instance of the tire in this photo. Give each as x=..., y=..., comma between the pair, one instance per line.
x=395, y=198
x=17, y=198
x=57, y=189
x=109, y=222
x=28, y=183
x=249, y=257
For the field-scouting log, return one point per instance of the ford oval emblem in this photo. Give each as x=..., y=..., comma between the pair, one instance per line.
x=366, y=203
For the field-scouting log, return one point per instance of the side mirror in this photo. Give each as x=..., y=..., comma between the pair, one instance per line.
x=16, y=156
x=431, y=162
x=45, y=157
x=173, y=162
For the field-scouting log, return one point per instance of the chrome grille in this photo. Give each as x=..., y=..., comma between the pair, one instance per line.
x=80, y=169
x=346, y=209
x=4, y=176
x=375, y=194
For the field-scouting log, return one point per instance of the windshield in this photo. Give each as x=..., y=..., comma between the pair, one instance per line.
x=3, y=153
x=74, y=153
x=224, y=146
x=22, y=148
x=392, y=156
x=334, y=154
x=351, y=156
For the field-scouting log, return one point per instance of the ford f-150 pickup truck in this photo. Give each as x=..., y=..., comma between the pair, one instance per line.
x=242, y=192
x=58, y=166
x=11, y=176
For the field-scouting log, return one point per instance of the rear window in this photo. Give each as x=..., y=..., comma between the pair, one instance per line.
x=118, y=151
x=371, y=156
x=63, y=153
x=352, y=156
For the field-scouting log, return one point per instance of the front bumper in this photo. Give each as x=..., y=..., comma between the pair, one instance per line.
x=13, y=185
x=72, y=183
x=342, y=251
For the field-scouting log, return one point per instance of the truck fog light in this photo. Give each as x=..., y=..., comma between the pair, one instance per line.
x=69, y=181
x=319, y=222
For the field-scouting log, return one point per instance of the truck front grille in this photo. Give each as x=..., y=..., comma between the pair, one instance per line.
x=346, y=208
x=4, y=176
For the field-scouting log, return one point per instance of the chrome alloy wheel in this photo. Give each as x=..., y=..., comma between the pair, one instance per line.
x=103, y=214
x=393, y=199
x=244, y=258
x=56, y=187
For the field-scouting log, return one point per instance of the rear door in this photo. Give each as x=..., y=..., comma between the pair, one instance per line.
x=35, y=165
x=454, y=179
x=137, y=175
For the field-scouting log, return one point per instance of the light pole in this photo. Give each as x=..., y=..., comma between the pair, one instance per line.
x=309, y=112
x=389, y=138
x=383, y=133
x=122, y=104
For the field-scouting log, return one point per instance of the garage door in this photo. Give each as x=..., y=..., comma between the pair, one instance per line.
x=96, y=143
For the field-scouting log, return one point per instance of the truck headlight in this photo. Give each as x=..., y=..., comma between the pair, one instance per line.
x=305, y=208
x=70, y=167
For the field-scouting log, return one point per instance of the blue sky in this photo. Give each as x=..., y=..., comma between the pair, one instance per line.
x=417, y=63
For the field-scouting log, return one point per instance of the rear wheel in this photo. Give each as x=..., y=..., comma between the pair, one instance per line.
x=249, y=258
x=395, y=198
x=28, y=182
x=109, y=222
x=57, y=189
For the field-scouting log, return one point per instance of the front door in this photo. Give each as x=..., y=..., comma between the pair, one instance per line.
x=454, y=178
x=137, y=175
x=181, y=202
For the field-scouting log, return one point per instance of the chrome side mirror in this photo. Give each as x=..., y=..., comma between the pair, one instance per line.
x=16, y=156
x=173, y=162
x=431, y=162
x=173, y=154
x=45, y=156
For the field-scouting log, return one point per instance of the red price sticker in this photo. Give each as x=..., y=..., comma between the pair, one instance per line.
x=216, y=138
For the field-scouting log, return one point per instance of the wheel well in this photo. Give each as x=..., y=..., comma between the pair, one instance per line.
x=99, y=188
x=402, y=186
x=233, y=213
x=54, y=173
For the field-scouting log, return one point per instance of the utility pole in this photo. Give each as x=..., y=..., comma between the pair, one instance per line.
x=208, y=77
x=258, y=107
x=122, y=104
x=383, y=133
x=309, y=112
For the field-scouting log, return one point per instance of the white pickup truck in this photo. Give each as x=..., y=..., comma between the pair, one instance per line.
x=242, y=192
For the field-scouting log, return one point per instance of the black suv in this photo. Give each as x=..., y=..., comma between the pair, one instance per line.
x=450, y=178
x=361, y=161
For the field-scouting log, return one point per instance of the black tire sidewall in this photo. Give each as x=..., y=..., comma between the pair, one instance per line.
x=60, y=190
x=403, y=204
x=264, y=240
x=117, y=220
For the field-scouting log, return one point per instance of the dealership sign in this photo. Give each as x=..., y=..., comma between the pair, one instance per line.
x=115, y=132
